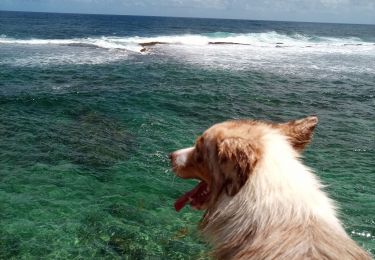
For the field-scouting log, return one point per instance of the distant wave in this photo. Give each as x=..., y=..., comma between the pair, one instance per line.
x=102, y=42
x=141, y=44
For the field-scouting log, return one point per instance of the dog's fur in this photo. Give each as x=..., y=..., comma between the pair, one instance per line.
x=263, y=202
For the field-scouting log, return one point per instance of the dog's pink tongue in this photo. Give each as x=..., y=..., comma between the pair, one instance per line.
x=181, y=202
x=188, y=196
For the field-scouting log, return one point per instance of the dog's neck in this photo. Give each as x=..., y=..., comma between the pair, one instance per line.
x=280, y=195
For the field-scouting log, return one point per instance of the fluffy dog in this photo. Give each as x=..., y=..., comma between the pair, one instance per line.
x=260, y=201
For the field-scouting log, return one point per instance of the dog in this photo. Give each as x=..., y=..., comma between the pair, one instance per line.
x=260, y=201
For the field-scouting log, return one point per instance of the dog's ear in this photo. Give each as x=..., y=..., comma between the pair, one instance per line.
x=237, y=157
x=299, y=131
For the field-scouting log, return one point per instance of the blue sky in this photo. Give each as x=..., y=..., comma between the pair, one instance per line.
x=344, y=11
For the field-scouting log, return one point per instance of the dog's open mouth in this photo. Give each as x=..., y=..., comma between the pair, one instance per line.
x=196, y=197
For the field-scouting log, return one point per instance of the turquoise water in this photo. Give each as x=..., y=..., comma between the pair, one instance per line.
x=86, y=130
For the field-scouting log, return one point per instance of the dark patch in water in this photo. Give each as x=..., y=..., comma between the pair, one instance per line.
x=353, y=44
x=96, y=141
x=56, y=132
x=228, y=43
x=147, y=44
x=9, y=246
x=122, y=211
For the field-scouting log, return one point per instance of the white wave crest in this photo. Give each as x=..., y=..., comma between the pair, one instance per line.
x=271, y=51
x=137, y=44
x=79, y=42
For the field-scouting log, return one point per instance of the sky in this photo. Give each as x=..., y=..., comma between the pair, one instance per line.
x=341, y=11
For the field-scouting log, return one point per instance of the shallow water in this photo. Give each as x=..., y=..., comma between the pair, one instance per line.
x=86, y=130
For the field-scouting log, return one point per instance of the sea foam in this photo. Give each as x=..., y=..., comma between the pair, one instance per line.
x=135, y=43
x=280, y=53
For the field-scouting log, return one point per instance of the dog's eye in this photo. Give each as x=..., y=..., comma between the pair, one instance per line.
x=198, y=157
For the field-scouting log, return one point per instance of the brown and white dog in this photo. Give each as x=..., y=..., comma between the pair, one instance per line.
x=261, y=202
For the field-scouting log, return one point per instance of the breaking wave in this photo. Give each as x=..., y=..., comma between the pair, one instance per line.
x=139, y=44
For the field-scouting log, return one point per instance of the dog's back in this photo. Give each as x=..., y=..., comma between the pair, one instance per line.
x=316, y=241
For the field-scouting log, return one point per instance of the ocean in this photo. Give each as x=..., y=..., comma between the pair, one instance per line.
x=91, y=106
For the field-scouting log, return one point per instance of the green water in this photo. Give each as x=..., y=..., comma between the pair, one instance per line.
x=84, y=169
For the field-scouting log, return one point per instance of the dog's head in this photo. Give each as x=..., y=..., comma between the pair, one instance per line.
x=224, y=157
